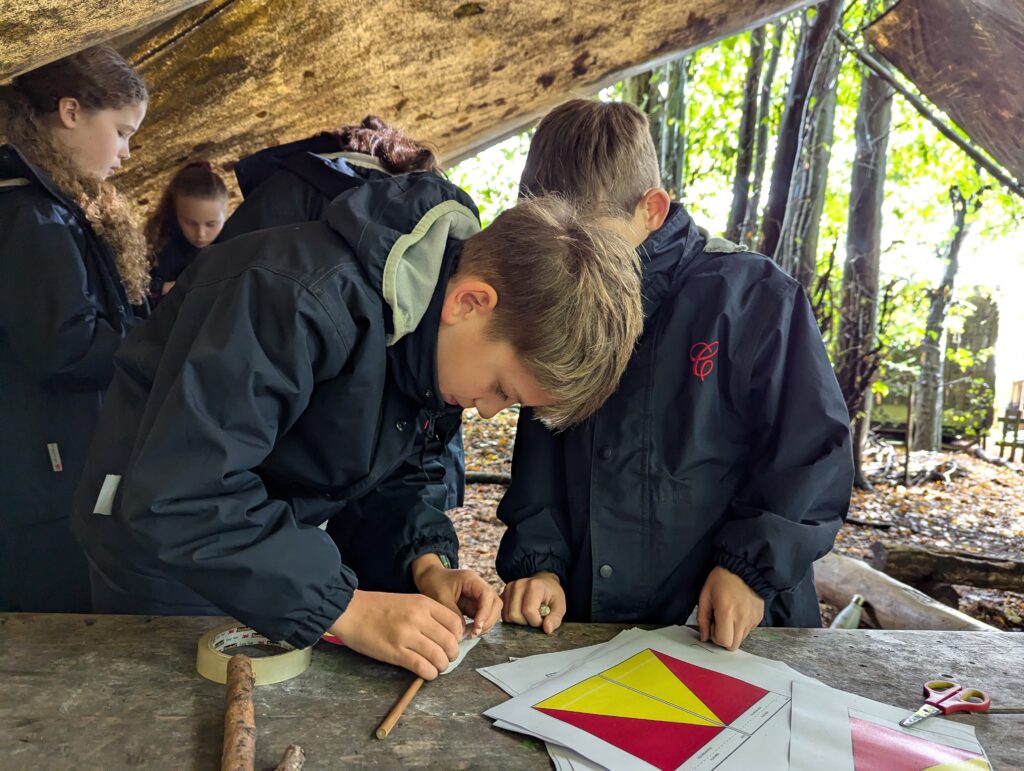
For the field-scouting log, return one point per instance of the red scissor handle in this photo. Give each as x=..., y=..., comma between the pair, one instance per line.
x=953, y=697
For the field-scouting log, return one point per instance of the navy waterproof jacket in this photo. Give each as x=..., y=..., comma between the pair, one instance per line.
x=279, y=381
x=296, y=182
x=727, y=443
x=63, y=313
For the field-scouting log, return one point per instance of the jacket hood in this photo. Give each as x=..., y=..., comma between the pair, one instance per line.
x=400, y=229
x=315, y=159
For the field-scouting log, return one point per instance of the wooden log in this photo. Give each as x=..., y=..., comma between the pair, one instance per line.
x=488, y=478
x=294, y=759
x=918, y=565
x=239, y=717
x=890, y=603
x=36, y=32
x=227, y=79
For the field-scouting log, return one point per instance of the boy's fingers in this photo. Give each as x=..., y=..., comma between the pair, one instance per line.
x=513, y=607
x=418, y=665
x=434, y=653
x=553, y=620
x=704, y=618
x=487, y=614
x=449, y=620
x=537, y=594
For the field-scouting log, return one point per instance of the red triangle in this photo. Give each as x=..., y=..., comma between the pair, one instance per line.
x=725, y=696
x=660, y=743
x=878, y=748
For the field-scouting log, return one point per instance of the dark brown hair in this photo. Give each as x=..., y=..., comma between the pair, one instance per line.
x=198, y=180
x=397, y=153
x=600, y=153
x=100, y=80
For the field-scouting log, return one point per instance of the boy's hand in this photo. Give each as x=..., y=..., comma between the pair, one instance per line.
x=524, y=597
x=727, y=609
x=462, y=591
x=409, y=630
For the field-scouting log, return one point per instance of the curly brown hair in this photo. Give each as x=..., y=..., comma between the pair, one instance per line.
x=397, y=153
x=100, y=80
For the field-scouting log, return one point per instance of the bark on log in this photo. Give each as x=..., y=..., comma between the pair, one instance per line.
x=37, y=32
x=917, y=565
x=294, y=759
x=239, y=717
x=229, y=78
x=893, y=605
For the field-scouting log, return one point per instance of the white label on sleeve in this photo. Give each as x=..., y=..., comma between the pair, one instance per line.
x=54, y=451
x=105, y=500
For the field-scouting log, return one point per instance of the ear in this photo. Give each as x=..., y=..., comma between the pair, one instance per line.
x=68, y=111
x=654, y=208
x=468, y=297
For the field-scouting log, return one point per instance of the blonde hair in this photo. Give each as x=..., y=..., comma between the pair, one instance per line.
x=568, y=301
x=598, y=152
x=99, y=79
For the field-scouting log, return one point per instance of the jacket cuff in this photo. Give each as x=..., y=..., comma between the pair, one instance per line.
x=336, y=599
x=441, y=545
x=750, y=575
x=528, y=565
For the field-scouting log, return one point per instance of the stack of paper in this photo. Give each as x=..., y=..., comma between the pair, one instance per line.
x=665, y=700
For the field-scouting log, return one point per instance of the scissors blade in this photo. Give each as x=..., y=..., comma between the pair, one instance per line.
x=926, y=711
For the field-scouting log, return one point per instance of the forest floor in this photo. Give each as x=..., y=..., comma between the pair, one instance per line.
x=977, y=507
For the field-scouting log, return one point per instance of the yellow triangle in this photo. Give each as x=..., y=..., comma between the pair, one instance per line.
x=612, y=694
x=973, y=764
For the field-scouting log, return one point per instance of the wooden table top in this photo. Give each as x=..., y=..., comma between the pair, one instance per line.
x=122, y=691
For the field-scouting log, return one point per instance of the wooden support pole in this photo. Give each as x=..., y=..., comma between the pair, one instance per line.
x=239, y=717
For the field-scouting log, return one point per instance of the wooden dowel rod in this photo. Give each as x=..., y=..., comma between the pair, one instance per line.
x=388, y=723
x=239, y=717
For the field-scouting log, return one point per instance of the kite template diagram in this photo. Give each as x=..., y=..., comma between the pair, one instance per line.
x=879, y=748
x=664, y=711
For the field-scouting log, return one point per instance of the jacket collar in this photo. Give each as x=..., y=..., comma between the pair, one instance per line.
x=14, y=165
x=667, y=255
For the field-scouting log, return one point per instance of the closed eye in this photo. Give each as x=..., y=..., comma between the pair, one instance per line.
x=501, y=393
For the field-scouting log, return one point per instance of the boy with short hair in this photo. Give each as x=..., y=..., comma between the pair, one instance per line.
x=281, y=380
x=721, y=467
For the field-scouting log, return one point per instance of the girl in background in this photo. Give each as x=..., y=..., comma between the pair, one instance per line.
x=73, y=276
x=190, y=215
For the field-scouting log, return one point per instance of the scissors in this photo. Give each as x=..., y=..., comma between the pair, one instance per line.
x=946, y=696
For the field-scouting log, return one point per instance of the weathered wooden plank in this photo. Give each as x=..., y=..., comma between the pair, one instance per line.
x=966, y=56
x=121, y=691
x=35, y=32
x=237, y=75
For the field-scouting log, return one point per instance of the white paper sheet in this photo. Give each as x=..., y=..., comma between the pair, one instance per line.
x=828, y=723
x=766, y=689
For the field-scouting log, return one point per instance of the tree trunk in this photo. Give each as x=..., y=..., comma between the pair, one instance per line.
x=798, y=246
x=809, y=52
x=764, y=120
x=857, y=357
x=928, y=402
x=748, y=128
x=667, y=117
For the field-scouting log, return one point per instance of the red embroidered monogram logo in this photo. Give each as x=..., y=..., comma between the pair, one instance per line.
x=702, y=355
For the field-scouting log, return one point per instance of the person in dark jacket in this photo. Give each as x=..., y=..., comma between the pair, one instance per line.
x=281, y=381
x=72, y=277
x=189, y=216
x=295, y=182
x=721, y=468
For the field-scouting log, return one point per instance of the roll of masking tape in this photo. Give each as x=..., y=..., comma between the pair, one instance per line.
x=216, y=646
